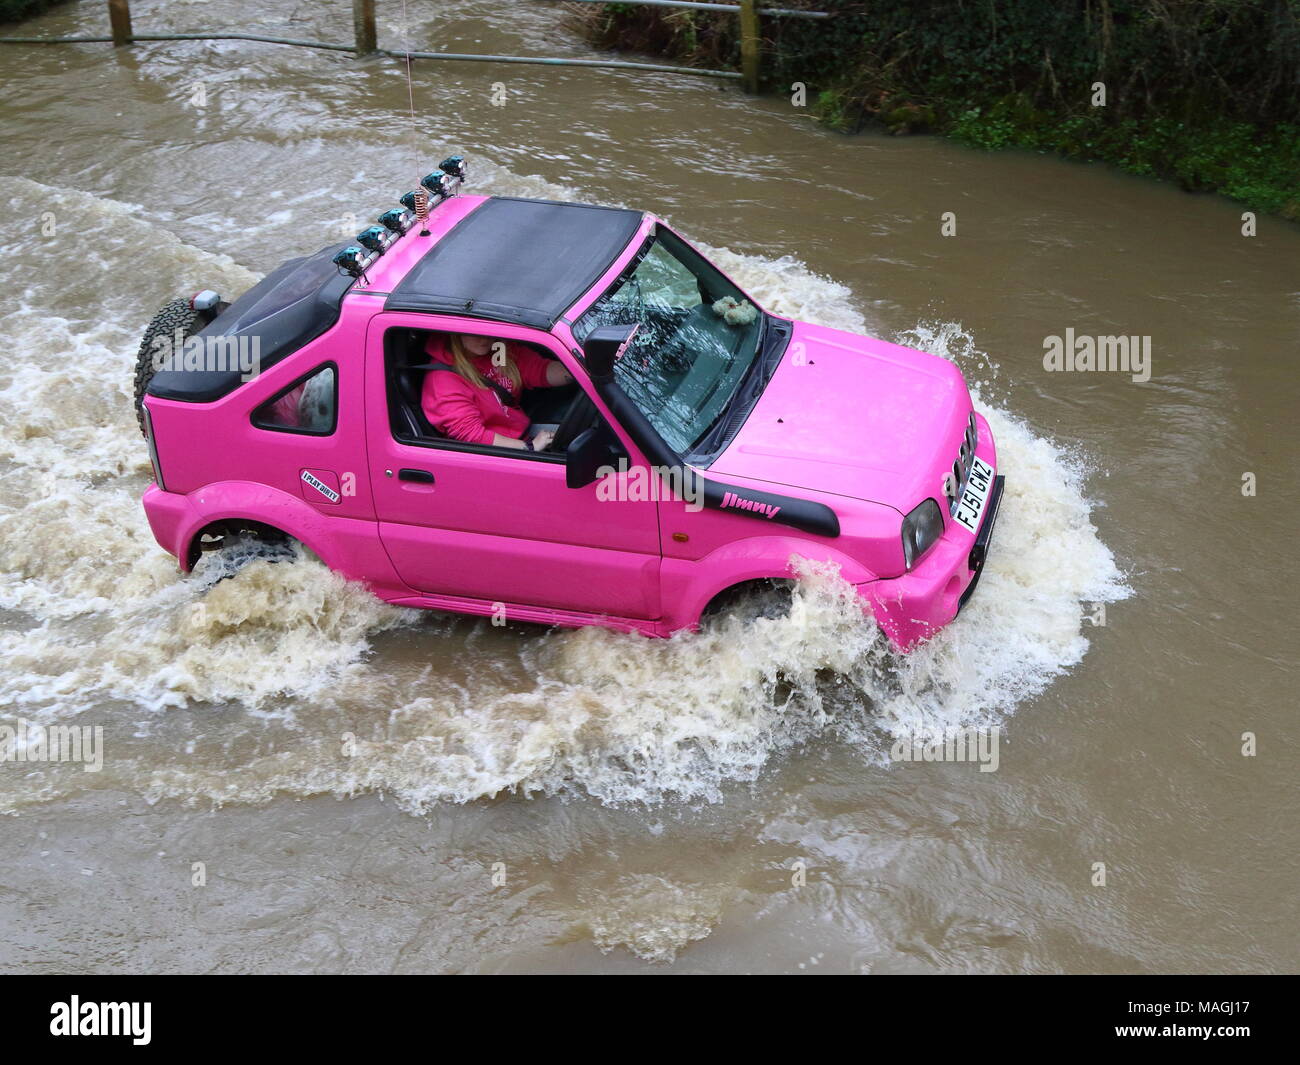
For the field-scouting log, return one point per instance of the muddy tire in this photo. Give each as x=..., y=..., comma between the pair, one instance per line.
x=753, y=599
x=178, y=314
x=227, y=550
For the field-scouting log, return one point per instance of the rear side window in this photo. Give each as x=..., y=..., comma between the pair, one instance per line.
x=309, y=405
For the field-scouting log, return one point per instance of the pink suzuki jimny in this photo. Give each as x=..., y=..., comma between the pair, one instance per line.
x=701, y=444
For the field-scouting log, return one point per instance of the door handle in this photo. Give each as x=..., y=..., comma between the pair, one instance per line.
x=420, y=476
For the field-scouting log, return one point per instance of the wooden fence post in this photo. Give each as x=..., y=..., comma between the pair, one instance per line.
x=749, y=42
x=119, y=18
x=363, y=22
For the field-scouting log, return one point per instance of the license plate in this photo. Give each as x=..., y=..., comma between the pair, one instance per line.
x=970, y=508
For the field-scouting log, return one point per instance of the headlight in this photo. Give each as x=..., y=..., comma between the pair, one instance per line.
x=921, y=529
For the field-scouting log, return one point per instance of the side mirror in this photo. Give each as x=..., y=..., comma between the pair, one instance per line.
x=586, y=454
x=603, y=347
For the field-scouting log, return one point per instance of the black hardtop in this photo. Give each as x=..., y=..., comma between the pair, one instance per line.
x=519, y=261
x=295, y=303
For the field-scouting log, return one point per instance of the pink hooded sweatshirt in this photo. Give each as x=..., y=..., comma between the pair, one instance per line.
x=455, y=407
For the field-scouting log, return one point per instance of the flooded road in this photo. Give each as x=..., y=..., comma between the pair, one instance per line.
x=529, y=800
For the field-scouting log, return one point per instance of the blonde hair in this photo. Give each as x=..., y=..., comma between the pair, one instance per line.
x=464, y=365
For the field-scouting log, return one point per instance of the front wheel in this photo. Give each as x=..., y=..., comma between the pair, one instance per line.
x=771, y=598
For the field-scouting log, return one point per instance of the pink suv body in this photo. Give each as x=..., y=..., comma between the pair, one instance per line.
x=703, y=446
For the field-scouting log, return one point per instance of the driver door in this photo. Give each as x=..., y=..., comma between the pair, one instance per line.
x=500, y=525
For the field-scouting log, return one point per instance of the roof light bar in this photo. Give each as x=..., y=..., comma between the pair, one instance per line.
x=374, y=240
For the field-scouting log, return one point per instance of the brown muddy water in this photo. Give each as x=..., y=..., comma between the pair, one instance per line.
x=649, y=806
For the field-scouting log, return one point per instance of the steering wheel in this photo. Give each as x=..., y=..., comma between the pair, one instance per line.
x=581, y=415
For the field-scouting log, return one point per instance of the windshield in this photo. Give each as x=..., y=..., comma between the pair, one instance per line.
x=698, y=337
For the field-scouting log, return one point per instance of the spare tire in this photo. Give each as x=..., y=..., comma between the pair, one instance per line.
x=178, y=314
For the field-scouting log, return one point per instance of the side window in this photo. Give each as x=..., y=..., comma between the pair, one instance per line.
x=309, y=405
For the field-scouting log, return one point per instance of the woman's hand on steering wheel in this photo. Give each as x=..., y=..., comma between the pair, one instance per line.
x=581, y=413
x=543, y=439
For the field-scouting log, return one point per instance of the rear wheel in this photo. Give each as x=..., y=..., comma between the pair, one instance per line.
x=228, y=547
x=176, y=315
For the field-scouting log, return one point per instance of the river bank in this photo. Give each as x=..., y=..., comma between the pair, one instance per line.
x=1204, y=94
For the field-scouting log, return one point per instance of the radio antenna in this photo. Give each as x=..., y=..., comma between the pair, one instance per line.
x=410, y=88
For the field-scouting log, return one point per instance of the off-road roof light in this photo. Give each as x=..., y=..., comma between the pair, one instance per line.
x=351, y=259
x=454, y=165
x=439, y=184
x=205, y=300
x=407, y=200
x=375, y=238
x=395, y=221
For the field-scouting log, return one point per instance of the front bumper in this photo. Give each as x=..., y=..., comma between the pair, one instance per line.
x=915, y=606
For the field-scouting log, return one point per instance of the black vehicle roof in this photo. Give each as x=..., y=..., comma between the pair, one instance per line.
x=520, y=261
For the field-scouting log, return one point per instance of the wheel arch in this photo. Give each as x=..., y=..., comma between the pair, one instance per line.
x=259, y=509
x=743, y=562
x=226, y=526
x=740, y=588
